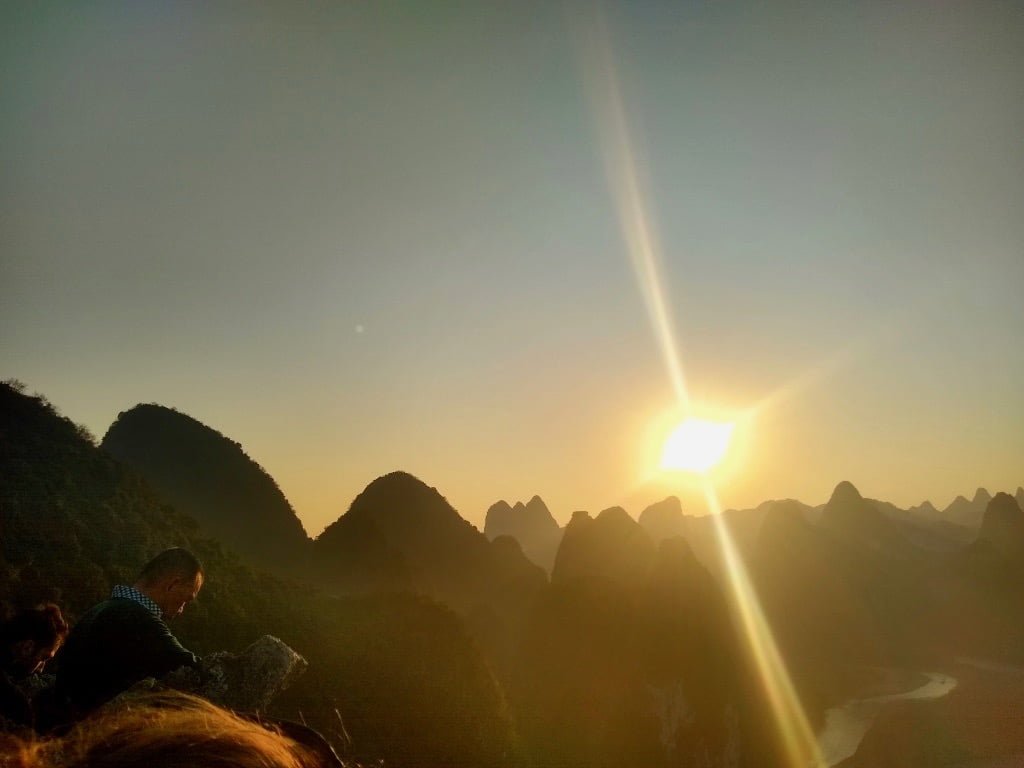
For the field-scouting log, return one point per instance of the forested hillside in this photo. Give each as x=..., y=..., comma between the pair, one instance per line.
x=400, y=670
x=208, y=476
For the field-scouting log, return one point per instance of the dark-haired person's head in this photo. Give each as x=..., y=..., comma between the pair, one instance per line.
x=172, y=580
x=30, y=638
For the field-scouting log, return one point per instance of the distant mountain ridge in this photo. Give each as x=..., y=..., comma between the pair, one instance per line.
x=968, y=512
x=608, y=552
x=626, y=654
x=849, y=514
x=531, y=524
x=631, y=658
x=1002, y=526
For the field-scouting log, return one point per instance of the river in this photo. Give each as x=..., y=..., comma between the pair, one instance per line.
x=846, y=724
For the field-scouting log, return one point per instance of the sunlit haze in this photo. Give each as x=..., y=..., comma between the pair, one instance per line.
x=357, y=238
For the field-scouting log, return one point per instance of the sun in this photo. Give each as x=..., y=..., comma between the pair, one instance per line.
x=696, y=445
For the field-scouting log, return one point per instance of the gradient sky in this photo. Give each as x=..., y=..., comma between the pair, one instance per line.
x=359, y=237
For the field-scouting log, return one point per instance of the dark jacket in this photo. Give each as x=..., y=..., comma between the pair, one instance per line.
x=15, y=710
x=113, y=646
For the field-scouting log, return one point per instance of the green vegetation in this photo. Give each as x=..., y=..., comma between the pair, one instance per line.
x=400, y=671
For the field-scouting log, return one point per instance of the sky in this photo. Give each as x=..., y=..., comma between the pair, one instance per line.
x=361, y=237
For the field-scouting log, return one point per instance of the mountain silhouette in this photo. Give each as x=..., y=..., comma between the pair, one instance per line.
x=924, y=509
x=209, y=477
x=413, y=686
x=842, y=594
x=968, y=512
x=531, y=524
x=850, y=515
x=609, y=552
x=629, y=657
x=1003, y=525
x=72, y=517
x=924, y=526
x=663, y=520
x=419, y=541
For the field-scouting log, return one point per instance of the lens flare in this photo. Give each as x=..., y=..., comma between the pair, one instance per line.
x=797, y=737
x=624, y=182
x=696, y=445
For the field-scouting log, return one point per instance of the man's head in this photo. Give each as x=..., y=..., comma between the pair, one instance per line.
x=172, y=580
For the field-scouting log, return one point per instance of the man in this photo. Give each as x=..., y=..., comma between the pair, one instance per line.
x=125, y=639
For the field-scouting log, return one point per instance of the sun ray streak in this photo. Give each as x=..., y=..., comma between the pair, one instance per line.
x=799, y=743
x=624, y=181
x=798, y=739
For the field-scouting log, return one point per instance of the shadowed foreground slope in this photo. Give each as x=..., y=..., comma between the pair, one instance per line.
x=401, y=670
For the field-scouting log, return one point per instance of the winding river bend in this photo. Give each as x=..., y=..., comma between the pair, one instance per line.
x=846, y=724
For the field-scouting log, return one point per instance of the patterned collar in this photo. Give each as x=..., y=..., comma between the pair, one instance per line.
x=131, y=593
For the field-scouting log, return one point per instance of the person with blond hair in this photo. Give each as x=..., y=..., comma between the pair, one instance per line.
x=164, y=730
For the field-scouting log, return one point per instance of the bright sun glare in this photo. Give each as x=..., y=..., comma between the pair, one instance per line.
x=696, y=445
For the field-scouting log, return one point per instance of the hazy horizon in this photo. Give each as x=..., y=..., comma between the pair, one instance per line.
x=369, y=238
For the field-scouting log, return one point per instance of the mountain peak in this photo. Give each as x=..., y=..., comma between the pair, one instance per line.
x=845, y=493
x=1003, y=524
x=860, y=520
x=663, y=519
x=399, y=479
x=579, y=517
x=968, y=512
x=615, y=515
x=500, y=507
x=531, y=524
x=400, y=499
x=607, y=551
x=211, y=478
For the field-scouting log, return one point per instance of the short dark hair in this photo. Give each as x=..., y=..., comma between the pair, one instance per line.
x=175, y=561
x=44, y=626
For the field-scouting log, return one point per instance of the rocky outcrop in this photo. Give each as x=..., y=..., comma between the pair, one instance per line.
x=246, y=682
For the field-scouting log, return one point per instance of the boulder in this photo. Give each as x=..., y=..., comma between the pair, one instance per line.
x=246, y=682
